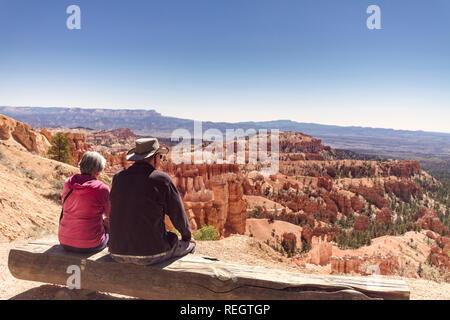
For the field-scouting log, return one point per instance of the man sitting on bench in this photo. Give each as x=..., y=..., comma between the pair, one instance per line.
x=140, y=197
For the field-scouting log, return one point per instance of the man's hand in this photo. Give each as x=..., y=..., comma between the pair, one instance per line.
x=190, y=240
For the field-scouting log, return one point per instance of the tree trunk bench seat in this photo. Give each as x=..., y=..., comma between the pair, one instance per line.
x=192, y=277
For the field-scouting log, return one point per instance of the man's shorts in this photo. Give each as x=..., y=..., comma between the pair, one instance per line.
x=179, y=249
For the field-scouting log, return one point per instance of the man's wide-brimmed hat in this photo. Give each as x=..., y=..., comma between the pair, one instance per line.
x=145, y=148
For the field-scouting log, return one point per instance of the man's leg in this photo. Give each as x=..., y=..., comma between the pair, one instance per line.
x=143, y=261
x=183, y=248
x=179, y=248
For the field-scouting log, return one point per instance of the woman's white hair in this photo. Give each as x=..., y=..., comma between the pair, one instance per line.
x=92, y=163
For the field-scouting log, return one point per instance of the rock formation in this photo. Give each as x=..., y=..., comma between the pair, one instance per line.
x=325, y=182
x=22, y=133
x=384, y=215
x=357, y=204
x=321, y=251
x=295, y=142
x=361, y=223
x=212, y=195
x=5, y=133
x=428, y=219
x=404, y=168
x=404, y=189
x=440, y=254
x=325, y=233
x=374, y=194
x=289, y=242
x=367, y=265
x=78, y=146
x=47, y=134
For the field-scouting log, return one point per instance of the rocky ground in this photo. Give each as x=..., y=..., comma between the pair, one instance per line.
x=235, y=249
x=394, y=255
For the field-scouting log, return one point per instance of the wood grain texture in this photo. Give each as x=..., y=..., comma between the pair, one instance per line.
x=193, y=278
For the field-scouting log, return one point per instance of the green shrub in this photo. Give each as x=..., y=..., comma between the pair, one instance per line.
x=207, y=233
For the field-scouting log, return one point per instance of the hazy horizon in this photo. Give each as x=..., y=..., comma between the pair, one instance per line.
x=234, y=61
x=166, y=115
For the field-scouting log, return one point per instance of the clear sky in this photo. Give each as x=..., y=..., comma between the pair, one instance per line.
x=234, y=60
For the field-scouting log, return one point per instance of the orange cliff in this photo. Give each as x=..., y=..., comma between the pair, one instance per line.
x=23, y=134
x=428, y=219
x=212, y=195
x=78, y=146
x=368, y=265
x=321, y=251
x=440, y=254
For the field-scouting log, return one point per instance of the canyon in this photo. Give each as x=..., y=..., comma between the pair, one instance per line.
x=323, y=198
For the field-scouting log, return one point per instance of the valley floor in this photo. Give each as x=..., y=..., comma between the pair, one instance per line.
x=235, y=249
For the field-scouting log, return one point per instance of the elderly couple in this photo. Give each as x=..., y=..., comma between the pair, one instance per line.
x=130, y=218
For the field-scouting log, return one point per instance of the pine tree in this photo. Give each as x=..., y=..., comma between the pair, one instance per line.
x=60, y=148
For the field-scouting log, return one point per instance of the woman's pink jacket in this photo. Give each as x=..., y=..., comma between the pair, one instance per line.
x=82, y=225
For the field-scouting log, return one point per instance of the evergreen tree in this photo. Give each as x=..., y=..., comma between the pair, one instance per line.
x=60, y=148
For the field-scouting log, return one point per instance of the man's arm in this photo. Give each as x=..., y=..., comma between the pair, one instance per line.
x=175, y=210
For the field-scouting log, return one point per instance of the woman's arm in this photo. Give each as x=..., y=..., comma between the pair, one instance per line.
x=106, y=207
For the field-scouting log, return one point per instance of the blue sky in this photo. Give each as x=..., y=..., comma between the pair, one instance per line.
x=234, y=60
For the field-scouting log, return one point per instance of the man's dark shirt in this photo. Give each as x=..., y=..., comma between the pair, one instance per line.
x=140, y=198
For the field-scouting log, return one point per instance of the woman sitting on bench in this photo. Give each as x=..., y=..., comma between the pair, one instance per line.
x=84, y=221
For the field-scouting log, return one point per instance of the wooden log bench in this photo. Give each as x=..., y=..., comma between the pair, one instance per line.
x=192, y=277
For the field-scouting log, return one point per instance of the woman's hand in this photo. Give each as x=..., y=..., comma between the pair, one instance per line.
x=106, y=224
